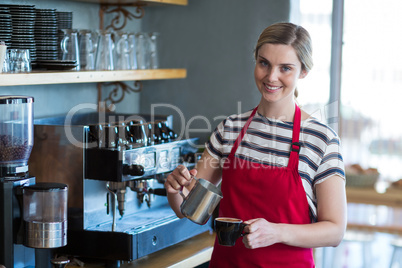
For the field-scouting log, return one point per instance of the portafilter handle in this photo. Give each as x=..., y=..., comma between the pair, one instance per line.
x=59, y=262
x=133, y=170
x=158, y=191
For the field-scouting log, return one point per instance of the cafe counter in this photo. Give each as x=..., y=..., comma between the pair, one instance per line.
x=368, y=210
x=189, y=253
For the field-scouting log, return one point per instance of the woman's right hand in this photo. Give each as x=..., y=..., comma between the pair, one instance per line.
x=179, y=178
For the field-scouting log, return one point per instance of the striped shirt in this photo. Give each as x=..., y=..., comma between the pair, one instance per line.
x=267, y=141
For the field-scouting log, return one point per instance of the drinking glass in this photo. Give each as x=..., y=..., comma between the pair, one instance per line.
x=143, y=51
x=19, y=60
x=87, y=47
x=123, y=50
x=104, y=52
x=132, y=40
x=6, y=64
x=69, y=46
x=153, y=50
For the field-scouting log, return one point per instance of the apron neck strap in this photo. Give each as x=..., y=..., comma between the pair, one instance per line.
x=296, y=129
x=243, y=132
x=295, y=148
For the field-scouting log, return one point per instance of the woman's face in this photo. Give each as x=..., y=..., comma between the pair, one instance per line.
x=276, y=72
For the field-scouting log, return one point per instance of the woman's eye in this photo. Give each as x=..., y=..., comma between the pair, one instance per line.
x=286, y=68
x=263, y=63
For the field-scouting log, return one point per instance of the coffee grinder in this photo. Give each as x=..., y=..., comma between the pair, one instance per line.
x=32, y=216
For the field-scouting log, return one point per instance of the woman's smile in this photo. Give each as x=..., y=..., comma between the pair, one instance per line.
x=272, y=89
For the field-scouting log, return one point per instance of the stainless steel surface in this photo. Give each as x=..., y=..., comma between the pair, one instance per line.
x=103, y=180
x=60, y=150
x=45, y=234
x=201, y=202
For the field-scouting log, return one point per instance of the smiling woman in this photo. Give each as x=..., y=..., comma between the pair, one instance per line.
x=274, y=154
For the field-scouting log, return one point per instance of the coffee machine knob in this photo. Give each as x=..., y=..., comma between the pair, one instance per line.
x=133, y=170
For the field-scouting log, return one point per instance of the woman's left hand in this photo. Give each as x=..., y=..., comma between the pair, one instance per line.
x=260, y=233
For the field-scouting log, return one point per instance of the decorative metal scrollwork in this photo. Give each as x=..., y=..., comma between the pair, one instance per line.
x=121, y=15
x=118, y=93
x=120, y=18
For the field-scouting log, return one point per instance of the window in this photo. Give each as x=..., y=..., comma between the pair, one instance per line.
x=371, y=79
x=314, y=89
x=371, y=87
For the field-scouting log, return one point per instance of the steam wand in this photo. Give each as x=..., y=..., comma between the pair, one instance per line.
x=113, y=205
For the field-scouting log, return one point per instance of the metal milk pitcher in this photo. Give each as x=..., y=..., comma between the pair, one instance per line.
x=201, y=202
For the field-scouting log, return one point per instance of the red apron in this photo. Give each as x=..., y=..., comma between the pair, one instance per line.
x=253, y=190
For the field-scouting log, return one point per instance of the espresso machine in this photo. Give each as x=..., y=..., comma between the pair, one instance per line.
x=115, y=166
x=30, y=225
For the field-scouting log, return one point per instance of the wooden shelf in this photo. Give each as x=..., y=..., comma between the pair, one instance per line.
x=46, y=78
x=134, y=2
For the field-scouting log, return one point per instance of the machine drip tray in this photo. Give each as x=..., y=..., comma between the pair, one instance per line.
x=135, y=236
x=139, y=221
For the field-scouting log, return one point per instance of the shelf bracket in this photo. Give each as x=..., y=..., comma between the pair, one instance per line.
x=116, y=95
x=121, y=15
